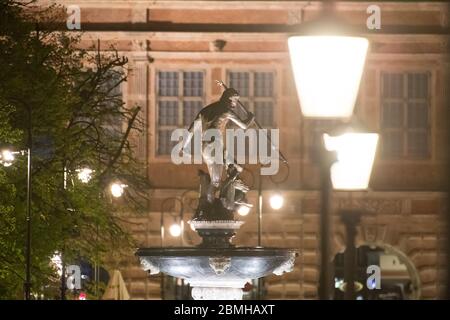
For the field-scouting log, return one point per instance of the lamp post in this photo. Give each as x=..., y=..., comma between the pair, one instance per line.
x=28, y=252
x=327, y=61
x=117, y=189
x=351, y=170
x=350, y=220
x=7, y=157
x=84, y=174
x=175, y=230
x=276, y=202
x=346, y=162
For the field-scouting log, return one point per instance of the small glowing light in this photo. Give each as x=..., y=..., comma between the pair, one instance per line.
x=6, y=158
x=117, y=189
x=355, y=157
x=276, y=201
x=85, y=174
x=243, y=210
x=7, y=155
x=338, y=283
x=175, y=230
x=82, y=296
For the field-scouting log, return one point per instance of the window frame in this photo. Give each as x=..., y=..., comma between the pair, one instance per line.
x=405, y=155
x=180, y=98
x=211, y=94
x=251, y=99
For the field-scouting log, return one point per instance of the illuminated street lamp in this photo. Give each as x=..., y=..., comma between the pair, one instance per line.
x=327, y=58
x=346, y=163
x=276, y=201
x=7, y=157
x=243, y=210
x=327, y=72
x=117, y=189
x=351, y=169
x=84, y=174
x=355, y=156
x=175, y=230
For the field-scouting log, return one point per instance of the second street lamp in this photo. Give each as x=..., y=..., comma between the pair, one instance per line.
x=84, y=175
x=176, y=230
x=276, y=201
x=355, y=153
x=243, y=210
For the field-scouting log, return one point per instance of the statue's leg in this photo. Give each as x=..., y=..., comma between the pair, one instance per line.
x=205, y=183
x=215, y=174
x=229, y=198
x=214, y=168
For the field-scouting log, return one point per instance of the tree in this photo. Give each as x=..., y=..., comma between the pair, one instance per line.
x=64, y=102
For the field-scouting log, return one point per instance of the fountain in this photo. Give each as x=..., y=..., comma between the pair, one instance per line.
x=216, y=269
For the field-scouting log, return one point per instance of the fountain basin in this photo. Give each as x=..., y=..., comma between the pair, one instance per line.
x=217, y=273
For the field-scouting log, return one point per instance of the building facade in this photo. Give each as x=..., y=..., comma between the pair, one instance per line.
x=176, y=51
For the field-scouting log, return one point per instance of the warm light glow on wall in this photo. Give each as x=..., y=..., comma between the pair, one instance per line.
x=355, y=156
x=327, y=72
